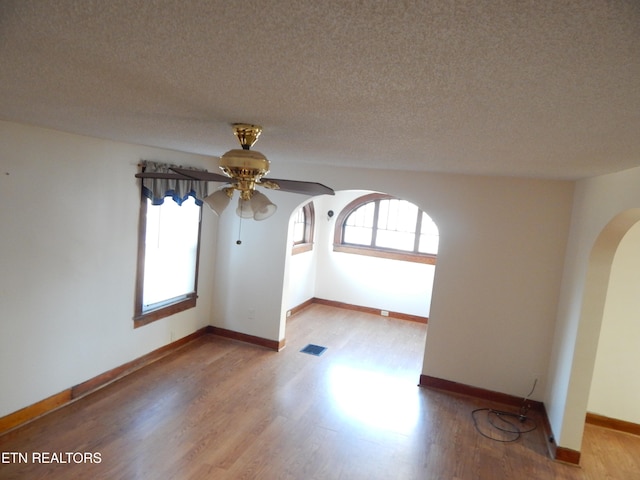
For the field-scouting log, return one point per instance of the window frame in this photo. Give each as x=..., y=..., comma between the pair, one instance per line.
x=306, y=244
x=171, y=306
x=391, y=253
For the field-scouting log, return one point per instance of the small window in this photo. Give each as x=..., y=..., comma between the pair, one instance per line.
x=382, y=226
x=168, y=250
x=303, y=226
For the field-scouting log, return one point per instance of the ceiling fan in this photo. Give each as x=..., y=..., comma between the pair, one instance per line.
x=243, y=170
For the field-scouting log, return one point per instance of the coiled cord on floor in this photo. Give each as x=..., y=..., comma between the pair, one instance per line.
x=506, y=426
x=509, y=426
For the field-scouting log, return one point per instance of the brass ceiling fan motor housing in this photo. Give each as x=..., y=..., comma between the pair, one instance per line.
x=245, y=166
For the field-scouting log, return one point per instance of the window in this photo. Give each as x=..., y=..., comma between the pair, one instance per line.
x=382, y=226
x=168, y=251
x=303, y=225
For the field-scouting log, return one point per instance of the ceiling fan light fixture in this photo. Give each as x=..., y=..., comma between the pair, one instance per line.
x=244, y=209
x=262, y=206
x=219, y=200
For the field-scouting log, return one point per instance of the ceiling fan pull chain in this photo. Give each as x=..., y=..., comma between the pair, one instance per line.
x=239, y=242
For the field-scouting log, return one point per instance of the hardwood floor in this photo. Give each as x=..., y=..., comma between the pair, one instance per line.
x=220, y=409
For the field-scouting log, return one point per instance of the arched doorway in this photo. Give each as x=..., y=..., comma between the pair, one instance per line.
x=594, y=299
x=395, y=287
x=615, y=386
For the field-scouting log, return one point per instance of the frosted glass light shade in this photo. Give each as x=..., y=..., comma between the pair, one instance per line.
x=244, y=209
x=258, y=207
x=218, y=201
x=262, y=206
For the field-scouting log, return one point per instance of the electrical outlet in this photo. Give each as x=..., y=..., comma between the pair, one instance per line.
x=384, y=313
x=288, y=313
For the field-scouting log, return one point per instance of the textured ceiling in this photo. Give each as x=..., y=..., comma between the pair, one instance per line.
x=527, y=88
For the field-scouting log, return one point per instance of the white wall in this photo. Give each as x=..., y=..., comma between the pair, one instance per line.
x=302, y=279
x=615, y=388
x=68, y=246
x=604, y=210
x=496, y=287
x=300, y=271
x=249, y=277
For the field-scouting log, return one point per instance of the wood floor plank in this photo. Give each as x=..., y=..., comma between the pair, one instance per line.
x=223, y=409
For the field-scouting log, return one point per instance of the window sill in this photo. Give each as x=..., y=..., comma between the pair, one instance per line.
x=165, y=311
x=301, y=248
x=390, y=254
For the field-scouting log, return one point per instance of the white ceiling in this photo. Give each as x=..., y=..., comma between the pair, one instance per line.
x=545, y=88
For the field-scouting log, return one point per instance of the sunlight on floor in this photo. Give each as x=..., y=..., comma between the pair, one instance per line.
x=376, y=399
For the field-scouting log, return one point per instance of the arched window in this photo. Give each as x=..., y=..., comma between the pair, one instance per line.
x=383, y=226
x=303, y=224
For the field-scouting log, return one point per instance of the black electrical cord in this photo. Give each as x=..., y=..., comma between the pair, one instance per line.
x=508, y=424
x=511, y=425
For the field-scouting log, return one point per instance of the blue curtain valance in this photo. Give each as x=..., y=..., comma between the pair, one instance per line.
x=157, y=189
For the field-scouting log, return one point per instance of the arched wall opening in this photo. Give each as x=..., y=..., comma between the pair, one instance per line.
x=401, y=287
x=595, y=294
x=615, y=386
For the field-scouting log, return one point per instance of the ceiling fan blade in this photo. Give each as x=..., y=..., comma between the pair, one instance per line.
x=296, y=186
x=202, y=175
x=170, y=176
